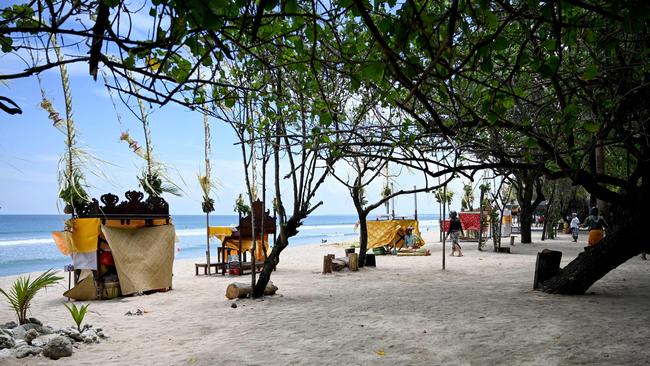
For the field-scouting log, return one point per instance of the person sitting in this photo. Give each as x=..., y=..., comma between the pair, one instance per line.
x=412, y=243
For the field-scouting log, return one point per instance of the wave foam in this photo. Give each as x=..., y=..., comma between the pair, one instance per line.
x=26, y=241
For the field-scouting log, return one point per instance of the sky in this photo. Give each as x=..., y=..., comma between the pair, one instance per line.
x=30, y=148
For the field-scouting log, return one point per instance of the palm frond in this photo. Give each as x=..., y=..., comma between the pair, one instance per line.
x=23, y=291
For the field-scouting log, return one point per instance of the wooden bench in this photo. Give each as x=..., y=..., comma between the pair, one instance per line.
x=205, y=267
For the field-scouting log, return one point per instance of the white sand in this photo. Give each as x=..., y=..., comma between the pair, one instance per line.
x=407, y=311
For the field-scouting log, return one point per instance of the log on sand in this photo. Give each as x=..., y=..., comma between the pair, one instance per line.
x=240, y=290
x=339, y=263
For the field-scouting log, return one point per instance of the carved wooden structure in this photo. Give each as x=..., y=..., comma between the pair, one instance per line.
x=134, y=208
x=264, y=225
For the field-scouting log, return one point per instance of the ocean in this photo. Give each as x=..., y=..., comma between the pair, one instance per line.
x=27, y=246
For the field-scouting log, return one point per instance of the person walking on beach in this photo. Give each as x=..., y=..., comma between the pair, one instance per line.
x=596, y=225
x=575, y=226
x=455, y=230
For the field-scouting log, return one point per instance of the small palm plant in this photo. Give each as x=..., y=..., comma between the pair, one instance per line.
x=78, y=313
x=23, y=291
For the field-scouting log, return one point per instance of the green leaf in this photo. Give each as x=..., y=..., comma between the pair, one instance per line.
x=129, y=62
x=487, y=65
x=530, y=142
x=325, y=119
x=546, y=71
x=591, y=127
x=500, y=43
x=492, y=117
x=5, y=43
x=230, y=101
x=291, y=6
x=373, y=71
x=590, y=72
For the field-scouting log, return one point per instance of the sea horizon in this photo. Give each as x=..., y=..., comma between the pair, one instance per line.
x=26, y=244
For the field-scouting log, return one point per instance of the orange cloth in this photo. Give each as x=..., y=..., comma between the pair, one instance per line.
x=595, y=235
x=63, y=241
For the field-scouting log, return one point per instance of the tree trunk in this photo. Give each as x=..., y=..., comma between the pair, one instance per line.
x=593, y=264
x=525, y=222
x=363, y=238
x=286, y=231
x=480, y=222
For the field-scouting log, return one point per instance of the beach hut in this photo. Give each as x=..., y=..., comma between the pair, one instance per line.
x=119, y=249
x=390, y=233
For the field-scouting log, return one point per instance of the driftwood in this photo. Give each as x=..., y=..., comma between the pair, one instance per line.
x=339, y=263
x=240, y=290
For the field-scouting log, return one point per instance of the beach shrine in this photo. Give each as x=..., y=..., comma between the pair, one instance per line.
x=118, y=249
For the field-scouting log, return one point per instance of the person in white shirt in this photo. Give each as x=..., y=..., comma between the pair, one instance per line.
x=575, y=226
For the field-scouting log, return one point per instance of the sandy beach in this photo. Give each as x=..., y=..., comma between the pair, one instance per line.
x=480, y=311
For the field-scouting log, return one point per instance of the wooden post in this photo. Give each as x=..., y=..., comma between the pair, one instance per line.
x=480, y=220
x=442, y=226
x=240, y=243
x=370, y=260
x=354, y=262
x=415, y=196
x=392, y=189
x=207, y=240
x=327, y=264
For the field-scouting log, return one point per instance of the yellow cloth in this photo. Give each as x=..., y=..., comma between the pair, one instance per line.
x=85, y=233
x=223, y=233
x=390, y=233
x=220, y=232
x=144, y=257
x=595, y=235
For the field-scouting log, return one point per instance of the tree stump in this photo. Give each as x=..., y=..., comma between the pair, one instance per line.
x=354, y=261
x=370, y=260
x=547, y=266
x=327, y=264
x=240, y=290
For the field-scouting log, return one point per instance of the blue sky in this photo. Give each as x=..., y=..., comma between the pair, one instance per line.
x=30, y=148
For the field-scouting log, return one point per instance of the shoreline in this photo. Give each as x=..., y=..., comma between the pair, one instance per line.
x=404, y=311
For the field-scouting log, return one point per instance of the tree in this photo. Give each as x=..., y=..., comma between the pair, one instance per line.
x=562, y=59
x=467, y=202
x=459, y=70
